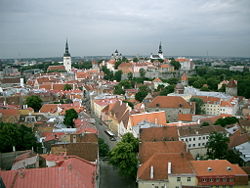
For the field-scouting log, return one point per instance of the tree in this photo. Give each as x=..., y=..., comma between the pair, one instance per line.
x=124, y=156
x=167, y=90
x=226, y=121
x=130, y=75
x=129, y=103
x=198, y=105
x=118, y=76
x=117, y=63
x=142, y=72
x=142, y=93
x=103, y=148
x=34, y=102
x=67, y=87
x=17, y=135
x=118, y=90
x=205, y=124
x=175, y=64
x=217, y=146
x=70, y=115
x=234, y=157
x=135, y=59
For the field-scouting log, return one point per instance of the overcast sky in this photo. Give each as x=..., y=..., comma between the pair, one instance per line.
x=39, y=28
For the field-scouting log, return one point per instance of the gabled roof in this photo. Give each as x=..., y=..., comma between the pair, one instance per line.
x=49, y=108
x=147, y=149
x=157, y=80
x=165, y=133
x=72, y=173
x=168, y=102
x=152, y=117
x=9, y=112
x=185, y=117
x=56, y=67
x=184, y=77
x=218, y=167
x=159, y=162
x=238, y=138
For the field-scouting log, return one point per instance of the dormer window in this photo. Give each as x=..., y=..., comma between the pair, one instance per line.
x=209, y=169
x=157, y=105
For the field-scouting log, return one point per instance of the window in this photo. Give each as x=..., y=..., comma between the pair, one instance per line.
x=182, y=139
x=224, y=179
x=199, y=144
x=211, y=179
x=217, y=179
x=199, y=138
x=207, y=137
x=231, y=179
x=190, y=139
x=193, y=145
x=188, y=178
x=193, y=139
x=203, y=144
x=189, y=145
x=186, y=139
x=203, y=180
x=156, y=187
x=178, y=178
x=203, y=137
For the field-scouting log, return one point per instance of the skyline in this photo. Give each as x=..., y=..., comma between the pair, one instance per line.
x=39, y=29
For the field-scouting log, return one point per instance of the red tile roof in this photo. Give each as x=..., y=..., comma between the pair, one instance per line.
x=9, y=112
x=72, y=173
x=185, y=117
x=218, y=168
x=56, y=67
x=168, y=102
x=152, y=117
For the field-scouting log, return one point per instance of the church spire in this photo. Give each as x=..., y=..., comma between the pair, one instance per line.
x=160, y=51
x=66, y=49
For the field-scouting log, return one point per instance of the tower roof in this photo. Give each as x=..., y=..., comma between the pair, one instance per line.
x=160, y=50
x=232, y=83
x=184, y=77
x=66, y=54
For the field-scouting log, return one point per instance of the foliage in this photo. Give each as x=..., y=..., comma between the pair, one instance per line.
x=16, y=135
x=118, y=90
x=226, y=121
x=67, y=87
x=142, y=72
x=126, y=84
x=117, y=63
x=124, y=155
x=234, y=157
x=70, y=115
x=83, y=65
x=135, y=59
x=172, y=81
x=108, y=75
x=217, y=146
x=175, y=64
x=167, y=90
x=103, y=148
x=130, y=76
x=42, y=66
x=129, y=103
x=118, y=76
x=205, y=124
x=198, y=105
x=34, y=102
x=142, y=93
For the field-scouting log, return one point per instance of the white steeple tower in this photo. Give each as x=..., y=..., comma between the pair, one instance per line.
x=67, y=58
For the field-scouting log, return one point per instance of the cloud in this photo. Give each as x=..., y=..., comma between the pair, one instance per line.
x=97, y=27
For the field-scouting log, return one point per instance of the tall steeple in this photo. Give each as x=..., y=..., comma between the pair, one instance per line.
x=160, y=51
x=66, y=54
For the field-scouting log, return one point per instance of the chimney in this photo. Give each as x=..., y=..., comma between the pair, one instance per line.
x=151, y=172
x=169, y=167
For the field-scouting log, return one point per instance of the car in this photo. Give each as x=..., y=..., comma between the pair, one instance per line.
x=112, y=138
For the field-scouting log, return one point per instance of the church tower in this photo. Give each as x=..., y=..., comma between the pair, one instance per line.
x=160, y=52
x=67, y=58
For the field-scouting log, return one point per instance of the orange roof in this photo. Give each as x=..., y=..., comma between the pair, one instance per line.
x=48, y=108
x=165, y=66
x=238, y=138
x=45, y=86
x=9, y=112
x=147, y=149
x=184, y=77
x=218, y=167
x=82, y=75
x=180, y=164
x=56, y=67
x=182, y=59
x=157, y=80
x=168, y=102
x=185, y=117
x=225, y=104
x=164, y=133
x=152, y=117
x=207, y=99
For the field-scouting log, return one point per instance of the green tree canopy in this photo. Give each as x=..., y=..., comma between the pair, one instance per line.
x=118, y=90
x=130, y=76
x=124, y=156
x=103, y=148
x=67, y=87
x=175, y=64
x=142, y=93
x=226, y=121
x=118, y=76
x=135, y=59
x=16, y=135
x=198, y=105
x=70, y=115
x=217, y=146
x=142, y=72
x=34, y=102
x=167, y=90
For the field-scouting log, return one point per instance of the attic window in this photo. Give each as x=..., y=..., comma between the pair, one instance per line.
x=209, y=169
x=229, y=168
x=157, y=105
